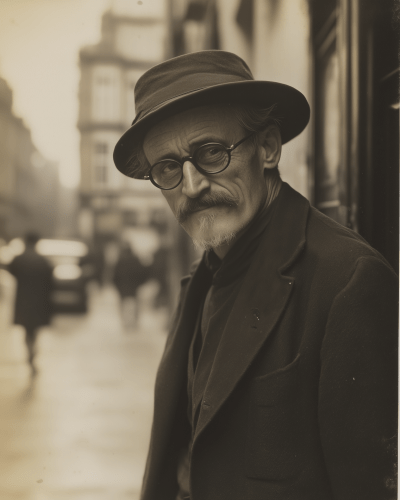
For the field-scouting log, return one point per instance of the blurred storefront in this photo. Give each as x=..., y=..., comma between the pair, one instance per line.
x=342, y=54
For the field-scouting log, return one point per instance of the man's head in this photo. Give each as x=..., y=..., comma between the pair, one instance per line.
x=215, y=208
x=203, y=97
x=31, y=238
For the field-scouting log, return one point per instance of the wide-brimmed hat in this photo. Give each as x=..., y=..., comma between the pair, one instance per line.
x=204, y=78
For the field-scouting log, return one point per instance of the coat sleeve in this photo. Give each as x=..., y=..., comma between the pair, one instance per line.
x=358, y=385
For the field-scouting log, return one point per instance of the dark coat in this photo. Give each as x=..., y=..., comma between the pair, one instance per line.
x=129, y=274
x=301, y=402
x=34, y=284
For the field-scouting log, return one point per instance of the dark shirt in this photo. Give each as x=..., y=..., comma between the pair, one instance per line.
x=227, y=277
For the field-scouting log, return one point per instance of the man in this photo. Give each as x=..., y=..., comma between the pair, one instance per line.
x=278, y=379
x=32, y=303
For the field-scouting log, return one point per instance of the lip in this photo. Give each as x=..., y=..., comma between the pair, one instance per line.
x=199, y=210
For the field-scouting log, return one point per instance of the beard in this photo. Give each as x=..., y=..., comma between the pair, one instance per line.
x=206, y=239
x=207, y=242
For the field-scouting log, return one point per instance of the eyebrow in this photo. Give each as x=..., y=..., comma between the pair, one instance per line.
x=195, y=145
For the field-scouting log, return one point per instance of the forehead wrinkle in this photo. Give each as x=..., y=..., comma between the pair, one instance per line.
x=184, y=137
x=204, y=128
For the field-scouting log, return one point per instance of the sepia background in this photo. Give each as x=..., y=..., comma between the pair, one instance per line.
x=79, y=427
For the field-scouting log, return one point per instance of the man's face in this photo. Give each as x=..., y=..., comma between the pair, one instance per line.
x=213, y=209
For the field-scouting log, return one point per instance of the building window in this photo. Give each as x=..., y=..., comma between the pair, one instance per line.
x=100, y=163
x=106, y=94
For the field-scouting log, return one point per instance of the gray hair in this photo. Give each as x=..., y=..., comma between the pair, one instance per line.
x=252, y=119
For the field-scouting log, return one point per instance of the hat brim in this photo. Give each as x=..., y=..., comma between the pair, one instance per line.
x=292, y=109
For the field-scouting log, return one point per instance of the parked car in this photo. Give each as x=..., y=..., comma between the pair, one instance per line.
x=70, y=277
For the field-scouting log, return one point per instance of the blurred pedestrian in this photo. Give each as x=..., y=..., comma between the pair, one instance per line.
x=129, y=274
x=92, y=264
x=159, y=272
x=33, y=303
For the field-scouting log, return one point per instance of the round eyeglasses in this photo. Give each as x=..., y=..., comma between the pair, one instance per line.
x=209, y=159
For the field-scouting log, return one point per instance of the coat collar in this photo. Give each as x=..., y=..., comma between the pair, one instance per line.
x=260, y=302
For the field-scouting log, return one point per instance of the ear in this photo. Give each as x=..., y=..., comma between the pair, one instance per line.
x=271, y=146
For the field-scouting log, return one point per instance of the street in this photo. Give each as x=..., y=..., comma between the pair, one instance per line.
x=80, y=429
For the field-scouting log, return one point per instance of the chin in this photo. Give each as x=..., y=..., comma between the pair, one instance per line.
x=217, y=241
x=210, y=234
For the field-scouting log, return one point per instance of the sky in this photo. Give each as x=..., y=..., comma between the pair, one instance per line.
x=39, y=55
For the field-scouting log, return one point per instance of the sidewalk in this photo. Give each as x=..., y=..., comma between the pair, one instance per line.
x=80, y=430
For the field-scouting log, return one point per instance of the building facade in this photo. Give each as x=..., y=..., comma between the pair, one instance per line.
x=113, y=206
x=135, y=36
x=29, y=183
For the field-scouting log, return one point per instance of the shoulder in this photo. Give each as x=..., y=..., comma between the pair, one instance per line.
x=337, y=246
x=373, y=279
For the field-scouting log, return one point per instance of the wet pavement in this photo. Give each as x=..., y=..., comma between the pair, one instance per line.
x=80, y=429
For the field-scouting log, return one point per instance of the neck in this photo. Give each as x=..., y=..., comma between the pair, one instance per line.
x=273, y=184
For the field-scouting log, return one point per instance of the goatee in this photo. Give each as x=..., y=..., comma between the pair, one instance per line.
x=207, y=243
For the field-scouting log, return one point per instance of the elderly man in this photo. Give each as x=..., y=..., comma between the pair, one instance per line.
x=278, y=379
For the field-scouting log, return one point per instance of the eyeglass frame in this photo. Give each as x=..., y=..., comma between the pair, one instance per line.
x=184, y=159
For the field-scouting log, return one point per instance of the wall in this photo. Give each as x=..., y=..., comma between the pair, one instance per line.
x=282, y=54
x=277, y=50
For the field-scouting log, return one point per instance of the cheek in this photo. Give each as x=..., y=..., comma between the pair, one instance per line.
x=252, y=193
x=247, y=173
x=249, y=186
x=172, y=200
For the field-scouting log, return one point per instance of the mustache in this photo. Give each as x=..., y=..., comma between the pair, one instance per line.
x=206, y=201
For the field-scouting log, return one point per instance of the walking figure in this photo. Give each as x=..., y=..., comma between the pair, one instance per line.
x=34, y=283
x=129, y=274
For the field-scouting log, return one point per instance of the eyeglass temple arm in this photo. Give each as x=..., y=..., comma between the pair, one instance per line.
x=234, y=146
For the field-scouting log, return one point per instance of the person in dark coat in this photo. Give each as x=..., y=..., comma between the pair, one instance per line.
x=279, y=375
x=159, y=271
x=33, y=307
x=129, y=274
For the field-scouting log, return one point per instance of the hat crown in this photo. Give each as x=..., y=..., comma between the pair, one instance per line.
x=187, y=73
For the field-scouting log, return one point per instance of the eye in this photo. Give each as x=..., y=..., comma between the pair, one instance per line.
x=169, y=167
x=165, y=170
x=211, y=153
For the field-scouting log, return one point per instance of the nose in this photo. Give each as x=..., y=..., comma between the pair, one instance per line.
x=193, y=182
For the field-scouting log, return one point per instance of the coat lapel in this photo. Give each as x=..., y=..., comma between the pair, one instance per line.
x=172, y=371
x=260, y=302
